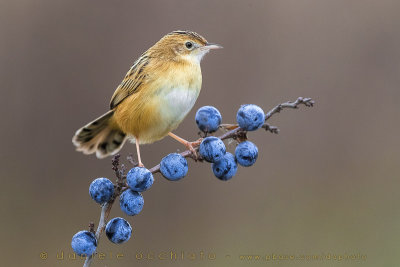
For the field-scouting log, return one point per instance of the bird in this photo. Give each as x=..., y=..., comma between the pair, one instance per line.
x=153, y=98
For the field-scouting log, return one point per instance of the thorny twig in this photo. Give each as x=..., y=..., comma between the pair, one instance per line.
x=234, y=132
x=308, y=102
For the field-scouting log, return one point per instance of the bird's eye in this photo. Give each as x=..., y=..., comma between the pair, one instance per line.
x=189, y=45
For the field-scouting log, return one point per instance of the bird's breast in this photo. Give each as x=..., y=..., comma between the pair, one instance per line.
x=177, y=102
x=178, y=93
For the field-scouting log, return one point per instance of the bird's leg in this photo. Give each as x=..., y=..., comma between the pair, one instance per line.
x=189, y=145
x=138, y=153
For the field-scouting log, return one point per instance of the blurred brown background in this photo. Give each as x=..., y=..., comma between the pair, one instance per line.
x=328, y=183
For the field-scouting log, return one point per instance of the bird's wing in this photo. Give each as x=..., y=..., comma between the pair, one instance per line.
x=132, y=81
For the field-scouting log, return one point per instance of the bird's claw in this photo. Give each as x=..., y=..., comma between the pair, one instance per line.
x=193, y=151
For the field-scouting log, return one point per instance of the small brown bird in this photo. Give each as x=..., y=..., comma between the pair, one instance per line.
x=156, y=94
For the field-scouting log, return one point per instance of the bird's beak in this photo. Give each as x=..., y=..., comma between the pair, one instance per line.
x=210, y=46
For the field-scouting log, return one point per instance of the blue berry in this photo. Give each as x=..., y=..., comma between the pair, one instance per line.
x=174, y=167
x=212, y=149
x=250, y=117
x=139, y=179
x=101, y=190
x=84, y=243
x=131, y=202
x=226, y=168
x=208, y=119
x=118, y=230
x=246, y=153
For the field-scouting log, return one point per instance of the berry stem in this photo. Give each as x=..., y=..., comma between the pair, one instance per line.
x=105, y=212
x=106, y=208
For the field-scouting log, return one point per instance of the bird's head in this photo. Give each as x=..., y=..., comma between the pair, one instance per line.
x=183, y=46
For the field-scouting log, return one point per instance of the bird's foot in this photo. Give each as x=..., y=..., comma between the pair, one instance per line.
x=191, y=146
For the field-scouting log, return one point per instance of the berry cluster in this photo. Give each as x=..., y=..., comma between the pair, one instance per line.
x=173, y=167
x=212, y=149
x=118, y=230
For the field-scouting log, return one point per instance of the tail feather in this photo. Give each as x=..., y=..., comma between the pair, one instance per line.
x=100, y=136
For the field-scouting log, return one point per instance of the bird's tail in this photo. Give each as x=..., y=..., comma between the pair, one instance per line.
x=101, y=136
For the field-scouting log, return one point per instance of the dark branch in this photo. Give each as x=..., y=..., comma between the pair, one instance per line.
x=308, y=102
